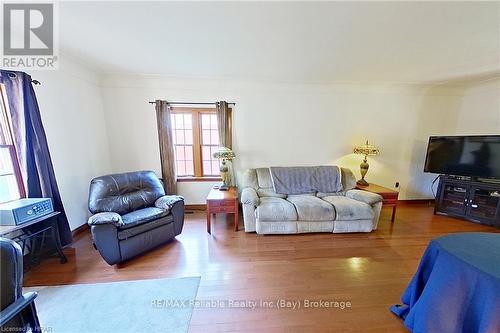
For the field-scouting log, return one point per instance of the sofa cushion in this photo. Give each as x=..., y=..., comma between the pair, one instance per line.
x=141, y=216
x=269, y=192
x=350, y=209
x=348, y=179
x=249, y=179
x=364, y=196
x=264, y=177
x=348, y=183
x=275, y=209
x=323, y=194
x=311, y=208
x=141, y=228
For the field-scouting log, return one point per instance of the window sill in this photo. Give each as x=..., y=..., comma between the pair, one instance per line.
x=199, y=179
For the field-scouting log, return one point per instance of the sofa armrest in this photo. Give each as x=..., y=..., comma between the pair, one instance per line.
x=249, y=197
x=105, y=218
x=166, y=202
x=364, y=196
x=250, y=200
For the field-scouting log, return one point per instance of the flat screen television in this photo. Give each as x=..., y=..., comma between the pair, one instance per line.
x=473, y=156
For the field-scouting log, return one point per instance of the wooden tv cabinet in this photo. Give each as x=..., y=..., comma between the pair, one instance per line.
x=468, y=198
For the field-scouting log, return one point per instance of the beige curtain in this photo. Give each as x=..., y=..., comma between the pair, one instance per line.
x=166, y=146
x=224, y=121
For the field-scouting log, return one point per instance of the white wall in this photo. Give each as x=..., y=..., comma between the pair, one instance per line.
x=479, y=112
x=97, y=125
x=292, y=124
x=72, y=114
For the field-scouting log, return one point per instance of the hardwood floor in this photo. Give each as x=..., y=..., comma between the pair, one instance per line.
x=369, y=270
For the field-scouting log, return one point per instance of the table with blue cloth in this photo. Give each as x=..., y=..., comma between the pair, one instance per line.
x=456, y=287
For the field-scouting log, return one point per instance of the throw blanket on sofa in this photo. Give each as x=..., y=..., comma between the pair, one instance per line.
x=300, y=180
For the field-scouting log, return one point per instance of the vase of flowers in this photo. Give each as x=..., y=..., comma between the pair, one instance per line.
x=226, y=156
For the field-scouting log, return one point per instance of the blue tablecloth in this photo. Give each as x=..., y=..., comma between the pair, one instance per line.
x=456, y=287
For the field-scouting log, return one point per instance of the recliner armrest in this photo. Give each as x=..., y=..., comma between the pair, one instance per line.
x=15, y=308
x=167, y=201
x=105, y=218
x=249, y=197
x=364, y=196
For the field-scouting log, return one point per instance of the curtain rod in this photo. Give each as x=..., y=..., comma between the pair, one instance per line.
x=193, y=103
x=13, y=75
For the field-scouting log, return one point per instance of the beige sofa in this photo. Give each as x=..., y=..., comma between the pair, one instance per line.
x=267, y=212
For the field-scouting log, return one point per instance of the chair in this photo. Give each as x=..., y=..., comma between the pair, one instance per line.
x=17, y=310
x=132, y=214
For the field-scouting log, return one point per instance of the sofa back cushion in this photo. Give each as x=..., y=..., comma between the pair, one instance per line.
x=348, y=179
x=249, y=179
x=260, y=180
x=124, y=192
x=348, y=183
x=264, y=178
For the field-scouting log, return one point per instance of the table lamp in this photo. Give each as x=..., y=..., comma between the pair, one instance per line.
x=367, y=150
x=225, y=155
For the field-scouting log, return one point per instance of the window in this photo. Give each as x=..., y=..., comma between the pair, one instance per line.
x=209, y=144
x=11, y=184
x=196, y=138
x=182, y=126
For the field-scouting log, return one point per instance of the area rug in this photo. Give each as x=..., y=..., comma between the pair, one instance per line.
x=161, y=305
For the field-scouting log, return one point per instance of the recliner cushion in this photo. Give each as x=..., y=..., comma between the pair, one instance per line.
x=141, y=216
x=124, y=192
x=311, y=208
x=275, y=209
x=141, y=228
x=349, y=209
x=11, y=273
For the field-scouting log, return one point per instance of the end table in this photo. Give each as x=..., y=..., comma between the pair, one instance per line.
x=390, y=196
x=222, y=202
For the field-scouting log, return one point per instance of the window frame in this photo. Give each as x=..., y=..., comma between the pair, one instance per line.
x=197, y=143
x=5, y=125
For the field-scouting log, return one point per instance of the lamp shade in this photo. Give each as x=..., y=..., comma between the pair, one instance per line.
x=366, y=149
x=224, y=153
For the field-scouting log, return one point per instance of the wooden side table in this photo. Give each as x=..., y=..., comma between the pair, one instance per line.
x=222, y=202
x=390, y=196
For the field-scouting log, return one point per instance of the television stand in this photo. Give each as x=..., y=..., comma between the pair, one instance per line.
x=470, y=199
x=460, y=177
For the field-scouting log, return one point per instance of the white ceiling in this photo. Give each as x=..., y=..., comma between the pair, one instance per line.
x=292, y=41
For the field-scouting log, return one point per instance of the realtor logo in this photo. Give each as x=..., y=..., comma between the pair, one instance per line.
x=29, y=31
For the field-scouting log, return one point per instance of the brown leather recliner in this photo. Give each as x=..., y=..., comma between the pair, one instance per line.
x=132, y=214
x=17, y=310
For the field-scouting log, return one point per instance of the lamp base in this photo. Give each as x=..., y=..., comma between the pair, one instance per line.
x=363, y=170
x=362, y=182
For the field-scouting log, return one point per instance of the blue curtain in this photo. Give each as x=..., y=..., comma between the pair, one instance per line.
x=31, y=145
